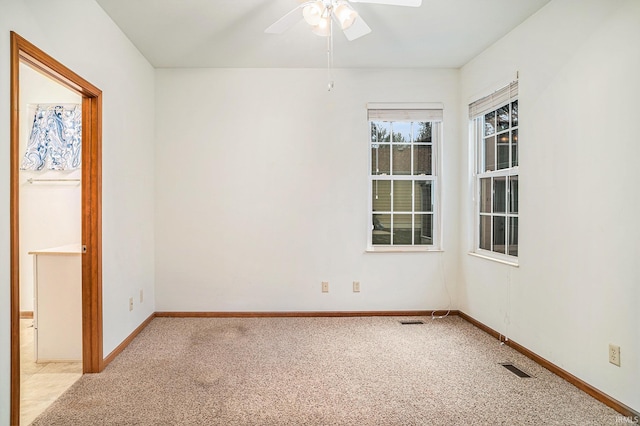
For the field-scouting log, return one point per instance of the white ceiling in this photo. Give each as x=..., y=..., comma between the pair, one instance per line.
x=230, y=33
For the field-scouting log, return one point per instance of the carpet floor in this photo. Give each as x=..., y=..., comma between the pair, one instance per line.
x=321, y=371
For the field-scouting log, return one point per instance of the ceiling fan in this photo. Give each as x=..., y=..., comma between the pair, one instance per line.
x=320, y=15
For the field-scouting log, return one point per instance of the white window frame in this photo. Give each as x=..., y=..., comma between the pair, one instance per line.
x=408, y=112
x=501, y=97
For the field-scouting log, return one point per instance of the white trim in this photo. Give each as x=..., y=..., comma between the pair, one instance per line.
x=403, y=249
x=495, y=258
x=511, y=171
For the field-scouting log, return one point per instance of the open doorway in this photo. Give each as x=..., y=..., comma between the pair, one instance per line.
x=50, y=233
x=26, y=54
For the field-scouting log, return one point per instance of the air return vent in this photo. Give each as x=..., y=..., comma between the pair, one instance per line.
x=411, y=322
x=515, y=370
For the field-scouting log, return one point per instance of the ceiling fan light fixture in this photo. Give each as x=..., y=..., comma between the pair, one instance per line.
x=323, y=28
x=312, y=13
x=345, y=14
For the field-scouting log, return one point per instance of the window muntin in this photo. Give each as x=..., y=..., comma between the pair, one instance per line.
x=495, y=124
x=403, y=183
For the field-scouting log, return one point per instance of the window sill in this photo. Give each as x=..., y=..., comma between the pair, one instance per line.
x=403, y=249
x=495, y=259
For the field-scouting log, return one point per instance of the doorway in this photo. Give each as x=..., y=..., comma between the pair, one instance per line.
x=23, y=52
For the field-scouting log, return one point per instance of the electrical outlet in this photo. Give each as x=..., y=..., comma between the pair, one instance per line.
x=614, y=354
x=141, y=296
x=356, y=286
x=131, y=304
x=325, y=286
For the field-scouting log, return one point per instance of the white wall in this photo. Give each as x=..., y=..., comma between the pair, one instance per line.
x=576, y=289
x=80, y=35
x=261, y=185
x=50, y=213
x=261, y=191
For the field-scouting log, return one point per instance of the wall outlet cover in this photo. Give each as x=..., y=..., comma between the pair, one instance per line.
x=614, y=354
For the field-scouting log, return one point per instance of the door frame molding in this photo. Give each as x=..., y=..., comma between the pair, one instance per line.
x=22, y=51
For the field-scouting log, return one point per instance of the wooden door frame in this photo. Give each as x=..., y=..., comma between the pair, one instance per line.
x=92, y=358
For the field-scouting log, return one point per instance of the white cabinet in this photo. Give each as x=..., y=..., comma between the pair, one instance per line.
x=57, y=311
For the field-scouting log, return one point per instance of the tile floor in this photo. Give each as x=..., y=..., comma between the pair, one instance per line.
x=41, y=383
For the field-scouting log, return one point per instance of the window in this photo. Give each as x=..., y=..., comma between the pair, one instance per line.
x=495, y=136
x=404, y=144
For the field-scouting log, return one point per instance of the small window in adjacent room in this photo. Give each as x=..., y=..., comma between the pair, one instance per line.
x=404, y=147
x=494, y=121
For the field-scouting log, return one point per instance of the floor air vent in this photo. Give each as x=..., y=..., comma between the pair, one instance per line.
x=411, y=322
x=515, y=370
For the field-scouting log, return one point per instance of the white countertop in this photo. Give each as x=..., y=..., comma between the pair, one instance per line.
x=69, y=249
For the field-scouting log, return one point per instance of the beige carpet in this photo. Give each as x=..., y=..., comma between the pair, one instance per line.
x=321, y=371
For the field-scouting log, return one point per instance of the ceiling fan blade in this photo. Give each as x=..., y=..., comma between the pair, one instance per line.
x=287, y=21
x=412, y=3
x=357, y=30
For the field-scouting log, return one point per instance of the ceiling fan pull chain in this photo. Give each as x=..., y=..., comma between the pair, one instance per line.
x=330, y=56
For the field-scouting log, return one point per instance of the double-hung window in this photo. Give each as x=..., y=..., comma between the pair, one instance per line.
x=404, y=147
x=494, y=121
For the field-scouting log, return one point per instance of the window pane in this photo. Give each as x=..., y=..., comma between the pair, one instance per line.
x=489, y=154
x=497, y=150
x=402, y=159
x=423, y=229
x=423, y=191
x=401, y=132
x=380, y=159
x=513, y=194
x=485, y=232
x=381, y=195
x=402, y=196
x=513, y=236
x=374, y=132
x=422, y=132
x=499, y=234
x=381, y=233
x=503, y=151
x=380, y=131
x=490, y=123
x=514, y=147
x=502, y=118
x=402, y=227
x=485, y=195
x=422, y=160
x=499, y=194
